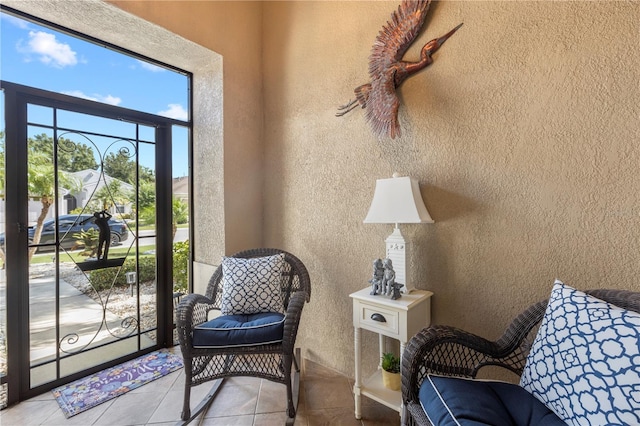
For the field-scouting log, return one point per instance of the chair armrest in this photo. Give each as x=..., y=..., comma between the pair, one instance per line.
x=292, y=319
x=450, y=351
x=440, y=350
x=192, y=310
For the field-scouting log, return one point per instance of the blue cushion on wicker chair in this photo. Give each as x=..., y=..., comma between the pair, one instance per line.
x=456, y=401
x=240, y=330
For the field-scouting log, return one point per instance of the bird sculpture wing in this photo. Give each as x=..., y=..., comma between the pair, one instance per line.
x=390, y=46
x=382, y=106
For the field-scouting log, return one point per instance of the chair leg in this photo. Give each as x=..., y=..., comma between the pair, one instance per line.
x=293, y=388
x=186, y=405
x=202, y=406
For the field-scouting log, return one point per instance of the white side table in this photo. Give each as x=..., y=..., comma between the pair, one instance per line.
x=399, y=319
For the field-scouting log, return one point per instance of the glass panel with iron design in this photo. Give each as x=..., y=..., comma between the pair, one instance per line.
x=181, y=212
x=92, y=283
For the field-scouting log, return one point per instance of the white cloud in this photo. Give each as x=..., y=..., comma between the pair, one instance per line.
x=111, y=100
x=175, y=111
x=150, y=67
x=50, y=51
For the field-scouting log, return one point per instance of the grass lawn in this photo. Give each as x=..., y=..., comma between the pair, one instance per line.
x=75, y=255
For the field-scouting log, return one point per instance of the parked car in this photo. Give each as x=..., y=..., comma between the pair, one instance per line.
x=69, y=228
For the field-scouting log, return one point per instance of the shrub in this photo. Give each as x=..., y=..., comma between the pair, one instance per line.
x=147, y=216
x=90, y=239
x=180, y=211
x=104, y=278
x=181, y=266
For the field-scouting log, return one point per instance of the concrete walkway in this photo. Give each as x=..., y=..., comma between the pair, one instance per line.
x=83, y=324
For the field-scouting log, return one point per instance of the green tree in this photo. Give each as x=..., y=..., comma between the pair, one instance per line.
x=120, y=166
x=147, y=216
x=72, y=156
x=111, y=194
x=146, y=174
x=146, y=195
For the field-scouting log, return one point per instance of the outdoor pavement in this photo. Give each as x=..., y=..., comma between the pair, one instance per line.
x=83, y=323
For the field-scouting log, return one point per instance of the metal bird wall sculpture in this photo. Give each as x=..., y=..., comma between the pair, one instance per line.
x=387, y=70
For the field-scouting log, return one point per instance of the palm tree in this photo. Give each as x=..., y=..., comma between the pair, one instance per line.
x=42, y=185
x=111, y=194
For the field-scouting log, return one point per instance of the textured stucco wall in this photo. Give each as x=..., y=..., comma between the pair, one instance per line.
x=234, y=30
x=523, y=134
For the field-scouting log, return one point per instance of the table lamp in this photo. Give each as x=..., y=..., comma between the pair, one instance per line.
x=398, y=200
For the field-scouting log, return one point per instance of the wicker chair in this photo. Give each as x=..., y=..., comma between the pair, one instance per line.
x=268, y=361
x=450, y=351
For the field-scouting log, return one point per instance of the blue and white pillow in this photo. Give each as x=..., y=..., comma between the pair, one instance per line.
x=585, y=361
x=251, y=286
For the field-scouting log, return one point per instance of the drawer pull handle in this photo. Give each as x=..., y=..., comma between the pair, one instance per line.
x=378, y=317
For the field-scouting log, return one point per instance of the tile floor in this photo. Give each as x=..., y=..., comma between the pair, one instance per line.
x=326, y=398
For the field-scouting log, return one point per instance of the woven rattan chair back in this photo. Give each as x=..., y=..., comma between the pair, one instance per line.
x=294, y=276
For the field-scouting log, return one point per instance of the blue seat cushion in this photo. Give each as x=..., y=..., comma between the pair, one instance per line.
x=240, y=330
x=456, y=401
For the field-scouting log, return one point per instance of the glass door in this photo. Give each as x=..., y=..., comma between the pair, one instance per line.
x=88, y=250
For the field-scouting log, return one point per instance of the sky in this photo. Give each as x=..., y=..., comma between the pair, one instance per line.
x=40, y=57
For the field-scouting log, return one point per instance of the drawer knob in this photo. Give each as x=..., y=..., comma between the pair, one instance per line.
x=378, y=317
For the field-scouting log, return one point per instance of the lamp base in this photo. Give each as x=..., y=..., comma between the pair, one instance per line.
x=398, y=252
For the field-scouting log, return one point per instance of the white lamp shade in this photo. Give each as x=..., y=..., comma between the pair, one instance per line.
x=397, y=200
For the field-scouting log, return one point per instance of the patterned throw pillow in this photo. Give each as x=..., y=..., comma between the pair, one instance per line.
x=251, y=286
x=585, y=361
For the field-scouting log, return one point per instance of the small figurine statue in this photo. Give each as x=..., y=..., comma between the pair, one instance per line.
x=102, y=220
x=389, y=277
x=396, y=291
x=376, y=279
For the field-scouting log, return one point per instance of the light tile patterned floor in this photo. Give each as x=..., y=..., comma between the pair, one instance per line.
x=326, y=398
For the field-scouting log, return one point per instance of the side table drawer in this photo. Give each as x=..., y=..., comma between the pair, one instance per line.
x=377, y=319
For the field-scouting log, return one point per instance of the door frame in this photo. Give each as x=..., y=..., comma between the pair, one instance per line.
x=17, y=97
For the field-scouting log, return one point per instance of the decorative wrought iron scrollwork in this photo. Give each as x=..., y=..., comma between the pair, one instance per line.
x=117, y=328
x=70, y=339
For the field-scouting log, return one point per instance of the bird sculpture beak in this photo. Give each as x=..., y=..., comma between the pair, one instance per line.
x=440, y=41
